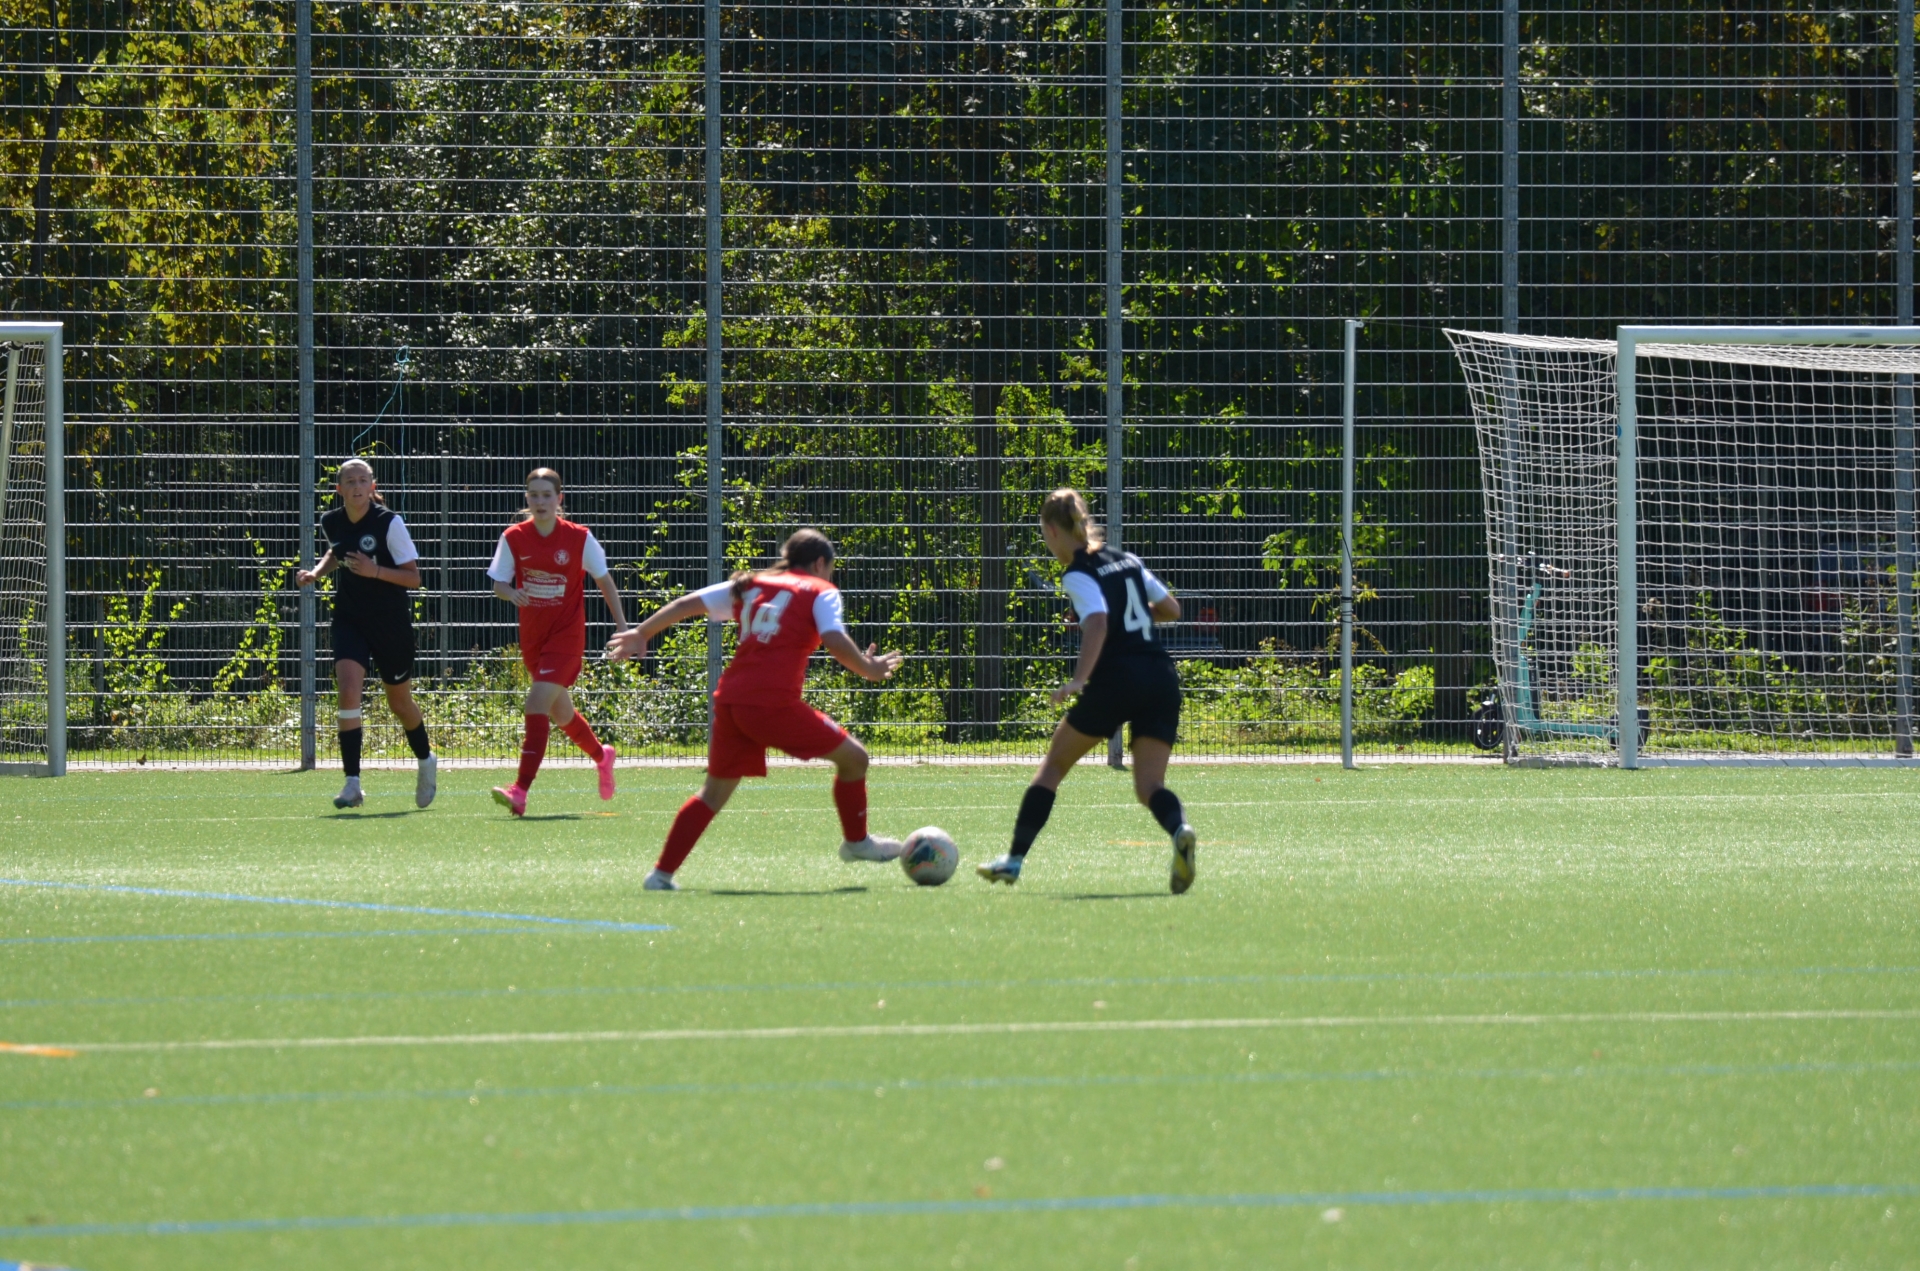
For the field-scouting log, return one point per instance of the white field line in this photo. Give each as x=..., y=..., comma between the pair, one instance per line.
x=1011, y=1028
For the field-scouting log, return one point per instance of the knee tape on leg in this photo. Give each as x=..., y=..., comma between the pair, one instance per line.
x=351, y=717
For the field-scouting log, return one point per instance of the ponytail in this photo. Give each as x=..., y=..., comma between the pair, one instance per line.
x=802, y=548
x=1066, y=509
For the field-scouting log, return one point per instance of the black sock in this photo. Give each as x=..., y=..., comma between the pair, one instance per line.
x=350, y=750
x=1036, y=805
x=1165, y=806
x=417, y=738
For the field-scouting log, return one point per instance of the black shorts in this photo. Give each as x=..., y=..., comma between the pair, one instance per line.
x=385, y=646
x=1143, y=692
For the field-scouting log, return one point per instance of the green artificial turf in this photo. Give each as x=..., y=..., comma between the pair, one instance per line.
x=1719, y=934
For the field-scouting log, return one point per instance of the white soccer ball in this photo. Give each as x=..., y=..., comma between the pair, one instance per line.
x=930, y=856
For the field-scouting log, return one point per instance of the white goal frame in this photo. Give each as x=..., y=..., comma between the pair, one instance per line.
x=50, y=336
x=1630, y=341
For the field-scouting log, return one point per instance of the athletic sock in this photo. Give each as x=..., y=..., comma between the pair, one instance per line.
x=1165, y=806
x=417, y=738
x=581, y=733
x=691, y=822
x=350, y=739
x=850, y=800
x=533, y=749
x=1036, y=805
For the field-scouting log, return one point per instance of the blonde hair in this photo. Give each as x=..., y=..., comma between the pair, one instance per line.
x=1066, y=509
x=360, y=465
x=542, y=474
x=802, y=548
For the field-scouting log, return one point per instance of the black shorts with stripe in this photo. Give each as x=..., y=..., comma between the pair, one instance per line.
x=1143, y=692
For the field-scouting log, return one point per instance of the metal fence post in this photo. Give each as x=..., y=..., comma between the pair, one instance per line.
x=303, y=197
x=716, y=488
x=1903, y=530
x=1116, y=316
x=1349, y=377
x=56, y=445
x=1510, y=170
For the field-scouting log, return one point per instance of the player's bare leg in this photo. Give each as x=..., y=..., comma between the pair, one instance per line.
x=695, y=815
x=351, y=679
x=849, y=761
x=1068, y=747
x=1150, y=756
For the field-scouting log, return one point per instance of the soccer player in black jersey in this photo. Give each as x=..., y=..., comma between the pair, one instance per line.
x=372, y=620
x=1124, y=676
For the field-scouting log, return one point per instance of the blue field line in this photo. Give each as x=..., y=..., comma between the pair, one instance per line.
x=901, y=986
x=269, y=935
x=598, y=924
x=485, y=1095
x=1011, y=1205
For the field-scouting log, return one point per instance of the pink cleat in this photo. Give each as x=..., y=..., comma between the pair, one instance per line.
x=513, y=798
x=606, y=771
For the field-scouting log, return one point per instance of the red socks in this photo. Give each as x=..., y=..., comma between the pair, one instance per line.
x=581, y=733
x=533, y=749
x=694, y=818
x=850, y=800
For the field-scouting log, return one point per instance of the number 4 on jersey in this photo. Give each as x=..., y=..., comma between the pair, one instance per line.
x=1137, y=617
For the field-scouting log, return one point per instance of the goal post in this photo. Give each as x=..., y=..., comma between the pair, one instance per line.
x=1726, y=511
x=33, y=602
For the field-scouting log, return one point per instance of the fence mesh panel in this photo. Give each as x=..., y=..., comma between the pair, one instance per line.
x=510, y=220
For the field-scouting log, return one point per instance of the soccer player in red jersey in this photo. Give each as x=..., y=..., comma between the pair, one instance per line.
x=784, y=614
x=541, y=568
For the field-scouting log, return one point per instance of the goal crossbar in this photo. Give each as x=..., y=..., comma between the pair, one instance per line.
x=48, y=536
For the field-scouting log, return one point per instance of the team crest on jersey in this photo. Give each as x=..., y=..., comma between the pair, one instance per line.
x=561, y=556
x=366, y=543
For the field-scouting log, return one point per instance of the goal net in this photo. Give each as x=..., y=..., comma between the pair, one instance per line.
x=30, y=635
x=1768, y=523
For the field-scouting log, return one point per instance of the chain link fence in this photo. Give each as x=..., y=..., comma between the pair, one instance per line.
x=924, y=224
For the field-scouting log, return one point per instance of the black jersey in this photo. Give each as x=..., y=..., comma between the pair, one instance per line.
x=368, y=601
x=1126, y=589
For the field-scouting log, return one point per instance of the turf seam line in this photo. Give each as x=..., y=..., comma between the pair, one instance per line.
x=601, y=924
x=1011, y=1205
x=1004, y=1028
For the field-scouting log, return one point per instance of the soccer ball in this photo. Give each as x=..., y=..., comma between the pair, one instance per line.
x=930, y=856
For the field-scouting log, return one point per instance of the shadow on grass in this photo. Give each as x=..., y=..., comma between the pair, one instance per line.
x=1119, y=895
x=824, y=891
x=349, y=815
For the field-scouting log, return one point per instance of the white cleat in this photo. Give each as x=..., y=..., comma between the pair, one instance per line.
x=872, y=848
x=660, y=880
x=349, y=796
x=1001, y=869
x=426, y=783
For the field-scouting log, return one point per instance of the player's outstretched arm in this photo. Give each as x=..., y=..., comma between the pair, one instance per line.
x=308, y=577
x=870, y=665
x=1093, y=637
x=633, y=642
x=610, y=593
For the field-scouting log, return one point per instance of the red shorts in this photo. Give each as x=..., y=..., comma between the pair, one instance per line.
x=741, y=735
x=554, y=657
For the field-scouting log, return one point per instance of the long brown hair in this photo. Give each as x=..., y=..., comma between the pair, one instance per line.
x=1068, y=510
x=542, y=474
x=802, y=548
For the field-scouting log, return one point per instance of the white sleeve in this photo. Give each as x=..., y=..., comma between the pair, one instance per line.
x=502, y=569
x=400, y=543
x=719, y=601
x=594, y=557
x=828, y=612
x=1156, y=590
x=1084, y=593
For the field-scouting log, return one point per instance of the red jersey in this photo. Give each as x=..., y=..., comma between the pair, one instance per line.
x=552, y=570
x=781, y=619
